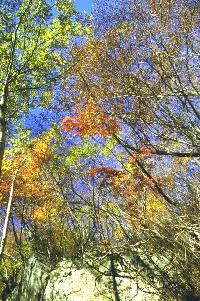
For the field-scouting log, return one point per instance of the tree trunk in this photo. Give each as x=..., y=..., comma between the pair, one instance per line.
x=189, y=298
x=192, y=298
x=3, y=99
x=6, y=223
x=113, y=272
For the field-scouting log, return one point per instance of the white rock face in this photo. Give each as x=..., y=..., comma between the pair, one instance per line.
x=67, y=282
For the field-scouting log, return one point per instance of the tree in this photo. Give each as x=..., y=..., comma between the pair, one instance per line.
x=136, y=73
x=139, y=69
x=34, y=35
x=118, y=181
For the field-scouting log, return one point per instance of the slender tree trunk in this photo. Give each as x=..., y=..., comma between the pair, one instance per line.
x=192, y=298
x=113, y=272
x=189, y=298
x=6, y=222
x=3, y=99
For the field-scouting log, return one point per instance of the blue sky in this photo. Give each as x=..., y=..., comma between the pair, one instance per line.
x=82, y=5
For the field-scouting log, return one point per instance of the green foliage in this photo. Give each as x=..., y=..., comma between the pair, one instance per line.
x=31, y=49
x=86, y=150
x=109, y=147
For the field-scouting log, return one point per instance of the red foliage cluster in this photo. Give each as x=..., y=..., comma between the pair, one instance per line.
x=105, y=171
x=143, y=152
x=90, y=121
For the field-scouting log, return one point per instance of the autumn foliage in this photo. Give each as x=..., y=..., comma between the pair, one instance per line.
x=90, y=120
x=118, y=175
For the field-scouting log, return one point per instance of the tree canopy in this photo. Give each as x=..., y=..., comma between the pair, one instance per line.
x=115, y=174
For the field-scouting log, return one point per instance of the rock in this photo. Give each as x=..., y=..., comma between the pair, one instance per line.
x=72, y=283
